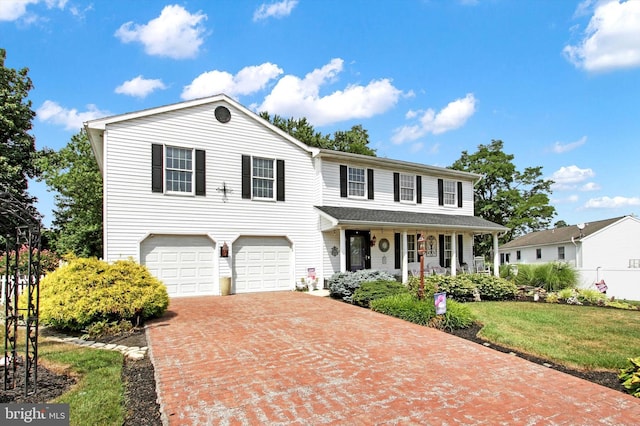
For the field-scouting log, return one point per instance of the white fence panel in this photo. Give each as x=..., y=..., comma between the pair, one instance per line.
x=621, y=283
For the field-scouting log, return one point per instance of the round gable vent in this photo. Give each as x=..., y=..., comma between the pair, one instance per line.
x=223, y=114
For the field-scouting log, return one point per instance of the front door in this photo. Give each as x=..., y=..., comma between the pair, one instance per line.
x=358, y=250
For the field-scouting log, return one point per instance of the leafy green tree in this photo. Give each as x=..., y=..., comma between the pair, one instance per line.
x=355, y=140
x=516, y=199
x=17, y=147
x=560, y=224
x=73, y=173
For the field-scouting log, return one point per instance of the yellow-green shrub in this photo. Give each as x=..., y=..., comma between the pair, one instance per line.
x=86, y=291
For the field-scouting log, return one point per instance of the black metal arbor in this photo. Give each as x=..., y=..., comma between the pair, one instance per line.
x=20, y=279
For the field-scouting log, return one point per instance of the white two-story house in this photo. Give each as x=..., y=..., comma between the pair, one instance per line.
x=206, y=189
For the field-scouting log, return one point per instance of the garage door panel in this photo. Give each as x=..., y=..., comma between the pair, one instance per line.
x=185, y=264
x=262, y=264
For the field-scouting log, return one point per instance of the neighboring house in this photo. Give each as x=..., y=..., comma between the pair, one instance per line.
x=206, y=189
x=606, y=250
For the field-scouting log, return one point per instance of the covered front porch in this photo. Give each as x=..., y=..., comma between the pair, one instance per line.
x=385, y=240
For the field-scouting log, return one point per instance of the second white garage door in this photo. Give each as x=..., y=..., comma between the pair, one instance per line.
x=184, y=263
x=261, y=264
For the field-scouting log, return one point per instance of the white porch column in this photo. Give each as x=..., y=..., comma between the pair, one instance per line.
x=343, y=250
x=496, y=255
x=405, y=257
x=454, y=254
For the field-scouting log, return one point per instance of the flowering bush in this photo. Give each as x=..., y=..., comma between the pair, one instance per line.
x=48, y=261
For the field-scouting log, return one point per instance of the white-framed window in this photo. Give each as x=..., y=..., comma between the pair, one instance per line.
x=411, y=249
x=447, y=250
x=357, y=182
x=560, y=253
x=263, y=177
x=179, y=172
x=634, y=263
x=407, y=188
x=449, y=193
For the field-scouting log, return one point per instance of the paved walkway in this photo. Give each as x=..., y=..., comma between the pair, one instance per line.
x=292, y=358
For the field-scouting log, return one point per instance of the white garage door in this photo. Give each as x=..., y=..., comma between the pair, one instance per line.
x=185, y=263
x=261, y=264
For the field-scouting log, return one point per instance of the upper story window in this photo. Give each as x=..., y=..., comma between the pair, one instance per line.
x=179, y=171
x=407, y=188
x=634, y=263
x=262, y=177
x=449, y=193
x=357, y=182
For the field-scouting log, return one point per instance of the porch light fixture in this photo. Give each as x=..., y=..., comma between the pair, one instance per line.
x=224, y=250
x=373, y=241
x=421, y=251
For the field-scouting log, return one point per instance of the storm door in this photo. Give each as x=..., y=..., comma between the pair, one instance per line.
x=358, y=250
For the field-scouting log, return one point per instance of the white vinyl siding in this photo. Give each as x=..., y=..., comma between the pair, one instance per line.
x=133, y=212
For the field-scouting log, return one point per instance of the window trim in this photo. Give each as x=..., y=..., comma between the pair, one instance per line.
x=412, y=188
x=363, y=183
x=412, y=249
x=165, y=170
x=272, y=179
x=454, y=194
x=561, y=253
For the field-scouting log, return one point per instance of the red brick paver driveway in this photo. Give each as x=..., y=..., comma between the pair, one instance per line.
x=292, y=358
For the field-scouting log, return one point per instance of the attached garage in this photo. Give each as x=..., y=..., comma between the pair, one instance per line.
x=184, y=263
x=262, y=264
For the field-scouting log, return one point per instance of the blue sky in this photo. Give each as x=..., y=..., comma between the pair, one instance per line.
x=557, y=80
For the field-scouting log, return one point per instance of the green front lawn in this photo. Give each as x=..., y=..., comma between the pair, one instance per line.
x=575, y=336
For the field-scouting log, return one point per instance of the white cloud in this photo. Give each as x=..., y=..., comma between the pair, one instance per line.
x=451, y=117
x=248, y=80
x=12, y=10
x=612, y=38
x=568, y=177
x=590, y=186
x=611, y=202
x=560, y=148
x=176, y=33
x=300, y=97
x=140, y=87
x=416, y=147
x=71, y=119
x=274, y=10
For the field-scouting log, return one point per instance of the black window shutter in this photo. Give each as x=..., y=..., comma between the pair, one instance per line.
x=156, y=167
x=396, y=187
x=441, y=249
x=397, y=250
x=200, y=172
x=370, y=184
x=459, y=194
x=460, y=250
x=246, y=176
x=343, y=181
x=440, y=192
x=280, y=180
x=419, y=189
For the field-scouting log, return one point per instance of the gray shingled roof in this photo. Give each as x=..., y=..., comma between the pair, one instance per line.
x=350, y=215
x=558, y=235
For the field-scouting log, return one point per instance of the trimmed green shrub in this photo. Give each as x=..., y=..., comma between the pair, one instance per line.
x=373, y=290
x=459, y=288
x=343, y=284
x=86, y=291
x=493, y=288
x=406, y=307
x=423, y=312
x=630, y=377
